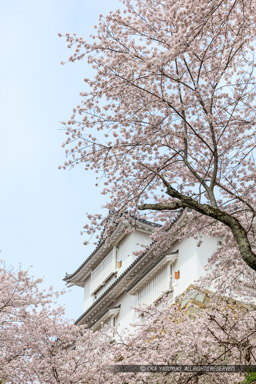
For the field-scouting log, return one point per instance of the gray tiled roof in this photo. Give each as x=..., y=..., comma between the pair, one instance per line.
x=110, y=287
x=125, y=272
x=100, y=244
x=147, y=270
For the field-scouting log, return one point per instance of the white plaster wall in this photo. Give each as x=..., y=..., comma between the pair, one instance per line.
x=191, y=261
x=129, y=245
x=206, y=249
x=88, y=299
x=186, y=264
x=125, y=250
x=127, y=315
x=105, y=286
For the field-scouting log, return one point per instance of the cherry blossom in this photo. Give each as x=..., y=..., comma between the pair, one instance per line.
x=168, y=122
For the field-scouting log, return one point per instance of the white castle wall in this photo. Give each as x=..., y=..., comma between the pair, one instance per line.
x=191, y=261
x=131, y=243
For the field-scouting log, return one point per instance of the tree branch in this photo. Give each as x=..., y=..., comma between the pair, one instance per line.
x=225, y=218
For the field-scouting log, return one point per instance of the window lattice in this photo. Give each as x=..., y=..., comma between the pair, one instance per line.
x=155, y=288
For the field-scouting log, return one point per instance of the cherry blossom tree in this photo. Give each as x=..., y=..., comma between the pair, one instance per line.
x=168, y=120
x=37, y=344
x=221, y=332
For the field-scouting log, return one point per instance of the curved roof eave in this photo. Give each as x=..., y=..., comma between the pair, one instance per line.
x=101, y=250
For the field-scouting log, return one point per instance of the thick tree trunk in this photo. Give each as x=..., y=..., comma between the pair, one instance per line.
x=230, y=221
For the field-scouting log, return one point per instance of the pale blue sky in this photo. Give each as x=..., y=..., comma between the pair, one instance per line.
x=42, y=209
